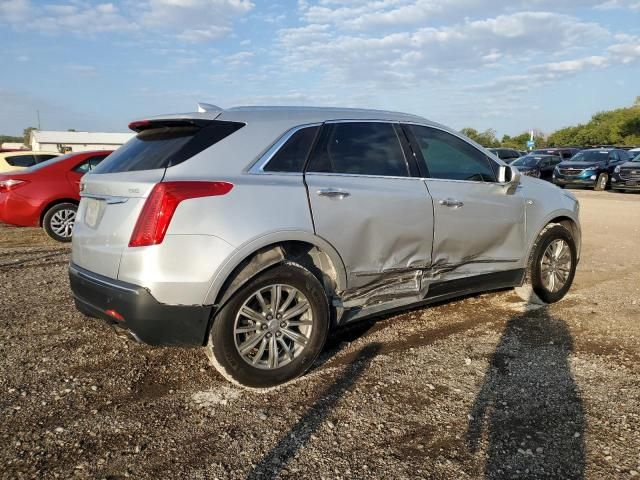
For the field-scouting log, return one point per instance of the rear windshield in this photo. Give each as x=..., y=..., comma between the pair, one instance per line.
x=165, y=146
x=527, y=161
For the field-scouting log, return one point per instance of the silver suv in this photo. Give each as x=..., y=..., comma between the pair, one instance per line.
x=254, y=231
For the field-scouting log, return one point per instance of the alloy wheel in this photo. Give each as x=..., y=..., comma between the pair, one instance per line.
x=273, y=326
x=555, y=265
x=62, y=222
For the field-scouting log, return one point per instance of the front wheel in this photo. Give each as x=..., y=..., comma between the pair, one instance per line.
x=551, y=267
x=272, y=329
x=601, y=182
x=58, y=221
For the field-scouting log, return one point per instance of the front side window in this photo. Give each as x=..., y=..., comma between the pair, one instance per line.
x=451, y=158
x=293, y=154
x=359, y=148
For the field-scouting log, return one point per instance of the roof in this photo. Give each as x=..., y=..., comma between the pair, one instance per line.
x=294, y=115
x=99, y=138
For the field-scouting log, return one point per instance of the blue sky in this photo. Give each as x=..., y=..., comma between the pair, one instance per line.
x=510, y=65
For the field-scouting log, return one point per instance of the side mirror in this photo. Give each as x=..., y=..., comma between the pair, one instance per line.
x=510, y=177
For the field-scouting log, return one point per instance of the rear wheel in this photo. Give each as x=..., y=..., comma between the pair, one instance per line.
x=601, y=182
x=58, y=221
x=272, y=329
x=551, y=266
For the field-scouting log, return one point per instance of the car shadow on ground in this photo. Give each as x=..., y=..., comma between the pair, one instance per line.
x=529, y=411
x=274, y=461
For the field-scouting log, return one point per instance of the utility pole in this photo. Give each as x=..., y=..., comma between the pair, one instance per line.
x=38, y=112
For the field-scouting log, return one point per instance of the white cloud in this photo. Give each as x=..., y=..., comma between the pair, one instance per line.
x=194, y=20
x=186, y=20
x=415, y=56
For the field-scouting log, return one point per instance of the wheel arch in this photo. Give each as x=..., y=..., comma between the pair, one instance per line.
x=562, y=218
x=53, y=203
x=303, y=248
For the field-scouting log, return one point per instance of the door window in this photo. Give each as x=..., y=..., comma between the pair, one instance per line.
x=359, y=148
x=89, y=164
x=448, y=157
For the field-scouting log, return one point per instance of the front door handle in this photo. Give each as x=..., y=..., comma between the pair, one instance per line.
x=450, y=202
x=333, y=193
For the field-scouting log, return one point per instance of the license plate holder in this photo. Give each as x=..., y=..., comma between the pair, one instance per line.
x=92, y=213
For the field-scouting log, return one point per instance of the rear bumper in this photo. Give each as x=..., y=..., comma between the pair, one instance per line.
x=18, y=210
x=147, y=319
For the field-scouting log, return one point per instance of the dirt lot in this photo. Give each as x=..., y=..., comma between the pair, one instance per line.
x=484, y=386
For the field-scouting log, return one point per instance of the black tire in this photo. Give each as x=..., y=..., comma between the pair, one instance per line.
x=222, y=343
x=51, y=224
x=601, y=182
x=533, y=289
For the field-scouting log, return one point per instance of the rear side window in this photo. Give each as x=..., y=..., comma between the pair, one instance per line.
x=43, y=158
x=449, y=157
x=359, y=148
x=89, y=164
x=21, y=161
x=165, y=146
x=293, y=154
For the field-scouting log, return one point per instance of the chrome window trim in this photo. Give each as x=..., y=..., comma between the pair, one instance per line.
x=330, y=174
x=258, y=166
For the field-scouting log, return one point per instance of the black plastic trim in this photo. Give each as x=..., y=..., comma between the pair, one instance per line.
x=150, y=321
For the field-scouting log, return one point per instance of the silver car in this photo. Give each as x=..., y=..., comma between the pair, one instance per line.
x=254, y=231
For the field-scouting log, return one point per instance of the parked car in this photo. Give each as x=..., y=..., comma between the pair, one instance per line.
x=590, y=168
x=507, y=155
x=252, y=231
x=47, y=194
x=564, y=152
x=627, y=176
x=19, y=160
x=539, y=166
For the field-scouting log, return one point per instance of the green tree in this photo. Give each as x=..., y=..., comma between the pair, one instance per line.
x=27, y=135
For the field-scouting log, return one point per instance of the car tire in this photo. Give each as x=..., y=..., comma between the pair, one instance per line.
x=550, y=271
x=262, y=351
x=58, y=221
x=601, y=182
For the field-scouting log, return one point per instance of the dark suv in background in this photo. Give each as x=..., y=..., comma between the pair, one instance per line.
x=627, y=176
x=507, y=155
x=565, y=153
x=590, y=168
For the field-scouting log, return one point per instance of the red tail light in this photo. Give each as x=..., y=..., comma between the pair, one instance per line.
x=11, y=184
x=159, y=208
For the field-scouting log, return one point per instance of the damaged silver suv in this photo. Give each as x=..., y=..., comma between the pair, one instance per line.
x=254, y=231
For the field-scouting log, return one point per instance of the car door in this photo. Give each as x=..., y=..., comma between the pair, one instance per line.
x=366, y=204
x=546, y=168
x=478, y=227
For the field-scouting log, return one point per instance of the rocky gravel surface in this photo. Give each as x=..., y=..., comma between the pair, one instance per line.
x=485, y=386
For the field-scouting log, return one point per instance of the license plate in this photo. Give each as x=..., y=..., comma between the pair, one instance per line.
x=631, y=184
x=92, y=212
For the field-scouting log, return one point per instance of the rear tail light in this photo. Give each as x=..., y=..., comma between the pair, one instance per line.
x=11, y=184
x=159, y=208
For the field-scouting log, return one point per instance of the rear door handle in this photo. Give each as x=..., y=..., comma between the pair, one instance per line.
x=450, y=202
x=333, y=193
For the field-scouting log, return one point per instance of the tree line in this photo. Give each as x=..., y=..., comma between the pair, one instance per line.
x=619, y=127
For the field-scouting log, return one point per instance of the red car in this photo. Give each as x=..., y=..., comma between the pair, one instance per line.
x=47, y=194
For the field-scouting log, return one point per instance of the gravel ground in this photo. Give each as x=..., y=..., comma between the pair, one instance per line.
x=484, y=386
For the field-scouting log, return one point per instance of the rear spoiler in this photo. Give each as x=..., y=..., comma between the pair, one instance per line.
x=206, y=114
